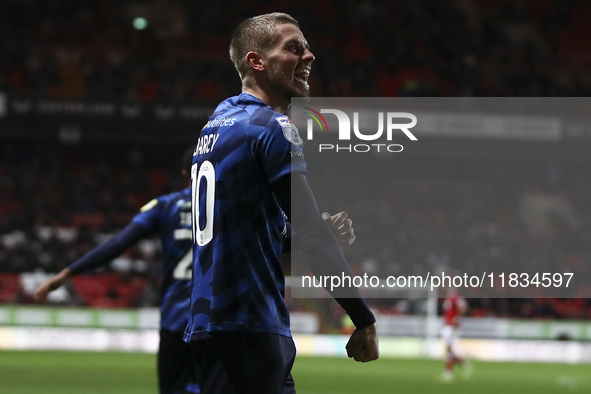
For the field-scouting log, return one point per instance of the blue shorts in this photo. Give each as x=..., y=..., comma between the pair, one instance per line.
x=245, y=363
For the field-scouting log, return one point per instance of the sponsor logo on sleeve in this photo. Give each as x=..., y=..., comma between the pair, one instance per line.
x=290, y=131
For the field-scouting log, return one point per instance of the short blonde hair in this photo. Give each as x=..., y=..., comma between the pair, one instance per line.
x=257, y=34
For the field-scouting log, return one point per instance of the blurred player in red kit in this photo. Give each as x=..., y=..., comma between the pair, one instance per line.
x=454, y=307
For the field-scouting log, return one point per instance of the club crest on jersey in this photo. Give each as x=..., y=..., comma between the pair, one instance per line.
x=290, y=131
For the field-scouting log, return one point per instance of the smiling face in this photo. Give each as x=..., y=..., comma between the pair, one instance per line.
x=288, y=62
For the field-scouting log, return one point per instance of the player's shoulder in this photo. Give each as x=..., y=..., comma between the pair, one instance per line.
x=169, y=200
x=256, y=119
x=267, y=122
x=176, y=198
x=243, y=112
x=256, y=114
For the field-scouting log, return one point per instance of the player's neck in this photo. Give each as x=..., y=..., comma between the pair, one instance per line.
x=276, y=101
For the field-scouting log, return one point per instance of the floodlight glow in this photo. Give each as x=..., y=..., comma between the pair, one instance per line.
x=140, y=23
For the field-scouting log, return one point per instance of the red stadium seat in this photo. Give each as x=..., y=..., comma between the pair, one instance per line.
x=9, y=287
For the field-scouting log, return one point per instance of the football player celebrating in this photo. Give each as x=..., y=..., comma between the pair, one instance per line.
x=169, y=216
x=248, y=168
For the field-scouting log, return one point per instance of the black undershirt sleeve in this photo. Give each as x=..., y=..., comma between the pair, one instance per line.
x=318, y=244
x=110, y=249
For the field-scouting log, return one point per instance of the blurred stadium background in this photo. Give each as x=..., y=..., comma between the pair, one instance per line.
x=98, y=100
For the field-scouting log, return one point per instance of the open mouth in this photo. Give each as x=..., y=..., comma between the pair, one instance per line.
x=302, y=76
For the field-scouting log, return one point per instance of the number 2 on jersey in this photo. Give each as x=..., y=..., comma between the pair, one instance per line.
x=207, y=172
x=184, y=268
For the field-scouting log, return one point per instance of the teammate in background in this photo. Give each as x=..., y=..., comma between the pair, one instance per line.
x=454, y=307
x=247, y=167
x=170, y=217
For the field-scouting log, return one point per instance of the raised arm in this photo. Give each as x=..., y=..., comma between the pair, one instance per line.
x=100, y=255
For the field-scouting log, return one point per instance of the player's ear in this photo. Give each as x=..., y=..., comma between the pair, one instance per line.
x=255, y=61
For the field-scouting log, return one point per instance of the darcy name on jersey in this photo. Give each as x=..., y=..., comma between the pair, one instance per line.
x=205, y=144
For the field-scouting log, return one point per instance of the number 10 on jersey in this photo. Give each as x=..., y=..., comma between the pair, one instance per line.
x=206, y=172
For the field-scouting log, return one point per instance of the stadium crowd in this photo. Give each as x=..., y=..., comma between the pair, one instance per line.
x=466, y=214
x=57, y=202
x=460, y=212
x=90, y=49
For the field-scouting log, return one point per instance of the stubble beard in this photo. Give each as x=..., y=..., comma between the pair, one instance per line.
x=280, y=81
